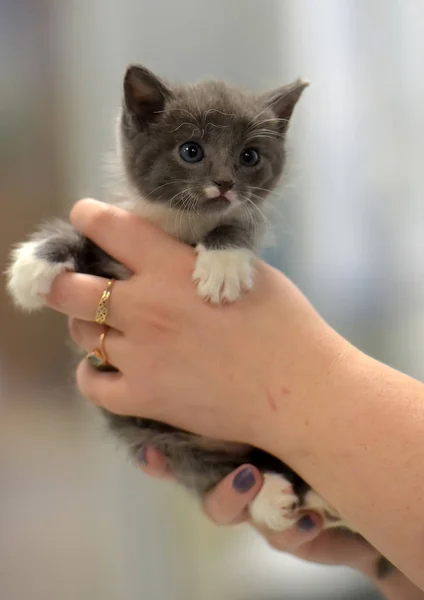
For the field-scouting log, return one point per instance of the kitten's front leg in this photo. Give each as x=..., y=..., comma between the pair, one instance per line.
x=37, y=262
x=56, y=248
x=225, y=263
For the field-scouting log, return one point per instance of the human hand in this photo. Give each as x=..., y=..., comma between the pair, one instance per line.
x=221, y=372
x=227, y=505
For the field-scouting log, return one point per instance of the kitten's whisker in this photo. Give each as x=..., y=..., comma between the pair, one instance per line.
x=272, y=208
x=254, y=137
x=263, y=132
x=215, y=125
x=182, y=124
x=261, y=198
x=190, y=215
x=277, y=192
x=181, y=110
x=272, y=120
x=180, y=214
x=256, y=124
x=258, y=210
x=193, y=89
x=164, y=184
x=186, y=196
x=169, y=201
x=255, y=187
x=251, y=218
x=270, y=132
x=206, y=113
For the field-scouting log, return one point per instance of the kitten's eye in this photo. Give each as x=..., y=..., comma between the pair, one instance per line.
x=249, y=157
x=191, y=152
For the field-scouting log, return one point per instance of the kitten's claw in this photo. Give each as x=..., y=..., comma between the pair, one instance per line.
x=276, y=504
x=222, y=275
x=30, y=277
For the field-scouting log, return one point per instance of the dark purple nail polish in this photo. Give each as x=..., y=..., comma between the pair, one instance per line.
x=306, y=523
x=141, y=456
x=244, y=480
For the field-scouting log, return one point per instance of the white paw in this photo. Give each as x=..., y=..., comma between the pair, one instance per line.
x=275, y=505
x=29, y=278
x=222, y=275
x=315, y=502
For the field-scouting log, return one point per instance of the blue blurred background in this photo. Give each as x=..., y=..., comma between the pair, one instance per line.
x=76, y=520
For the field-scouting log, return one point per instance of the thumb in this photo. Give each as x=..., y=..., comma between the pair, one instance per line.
x=152, y=463
x=227, y=503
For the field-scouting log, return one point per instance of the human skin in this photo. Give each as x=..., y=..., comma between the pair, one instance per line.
x=227, y=505
x=266, y=371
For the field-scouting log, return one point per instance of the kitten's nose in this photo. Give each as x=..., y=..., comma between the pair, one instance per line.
x=224, y=186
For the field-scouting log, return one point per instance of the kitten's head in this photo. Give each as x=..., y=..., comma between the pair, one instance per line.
x=205, y=147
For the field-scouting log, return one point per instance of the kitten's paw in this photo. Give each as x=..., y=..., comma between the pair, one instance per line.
x=30, y=277
x=316, y=503
x=222, y=275
x=276, y=504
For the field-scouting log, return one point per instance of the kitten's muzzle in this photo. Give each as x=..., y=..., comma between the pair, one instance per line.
x=224, y=186
x=213, y=205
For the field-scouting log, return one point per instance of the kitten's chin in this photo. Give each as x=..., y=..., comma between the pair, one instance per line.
x=215, y=205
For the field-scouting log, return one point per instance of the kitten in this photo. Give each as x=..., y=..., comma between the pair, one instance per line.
x=199, y=161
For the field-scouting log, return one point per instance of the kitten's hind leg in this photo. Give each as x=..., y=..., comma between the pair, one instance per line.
x=36, y=263
x=275, y=506
x=279, y=507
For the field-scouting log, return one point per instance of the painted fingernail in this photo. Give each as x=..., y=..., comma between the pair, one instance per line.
x=306, y=523
x=141, y=456
x=244, y=480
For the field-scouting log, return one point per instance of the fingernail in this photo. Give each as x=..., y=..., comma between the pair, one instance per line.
x=244, y=480
x=141, y=456
x=306, y=523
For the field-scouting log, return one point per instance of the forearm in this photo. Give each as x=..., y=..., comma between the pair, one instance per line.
x=359, y=441
x=397, y=587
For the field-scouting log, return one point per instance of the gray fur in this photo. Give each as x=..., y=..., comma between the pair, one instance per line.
x=155, y=121
x=224, y=121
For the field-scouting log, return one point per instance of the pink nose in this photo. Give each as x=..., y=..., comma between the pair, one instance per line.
x=224, y=186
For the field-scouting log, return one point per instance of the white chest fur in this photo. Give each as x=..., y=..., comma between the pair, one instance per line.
x=189, y=227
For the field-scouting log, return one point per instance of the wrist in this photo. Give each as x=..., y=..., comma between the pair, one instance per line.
x=395, y=587
x=301, y=393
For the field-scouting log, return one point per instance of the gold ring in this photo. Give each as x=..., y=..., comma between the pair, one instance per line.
x=102, y=307
x=98, y=358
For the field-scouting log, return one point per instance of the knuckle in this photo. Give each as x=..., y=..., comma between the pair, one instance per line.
x=86, y=384
x=77, y=210
x=97, y=217
x=59, y=292
x=76, y=330
x=277, y=542
x=95, y=220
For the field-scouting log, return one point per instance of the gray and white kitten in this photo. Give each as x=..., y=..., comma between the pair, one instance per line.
x=199, y=161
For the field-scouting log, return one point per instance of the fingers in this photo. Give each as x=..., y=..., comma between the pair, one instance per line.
x=129, y=239
x=153, y=463
x=87, y=336
x=227, y=503
x=337, y=546
x=308, y=527
x=103, y=388
x=77, y=295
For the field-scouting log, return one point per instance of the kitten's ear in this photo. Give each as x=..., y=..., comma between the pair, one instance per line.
x=283, y=100
x=144, y=93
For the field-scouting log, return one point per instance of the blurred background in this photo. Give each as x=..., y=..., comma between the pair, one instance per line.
x=76, y=520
